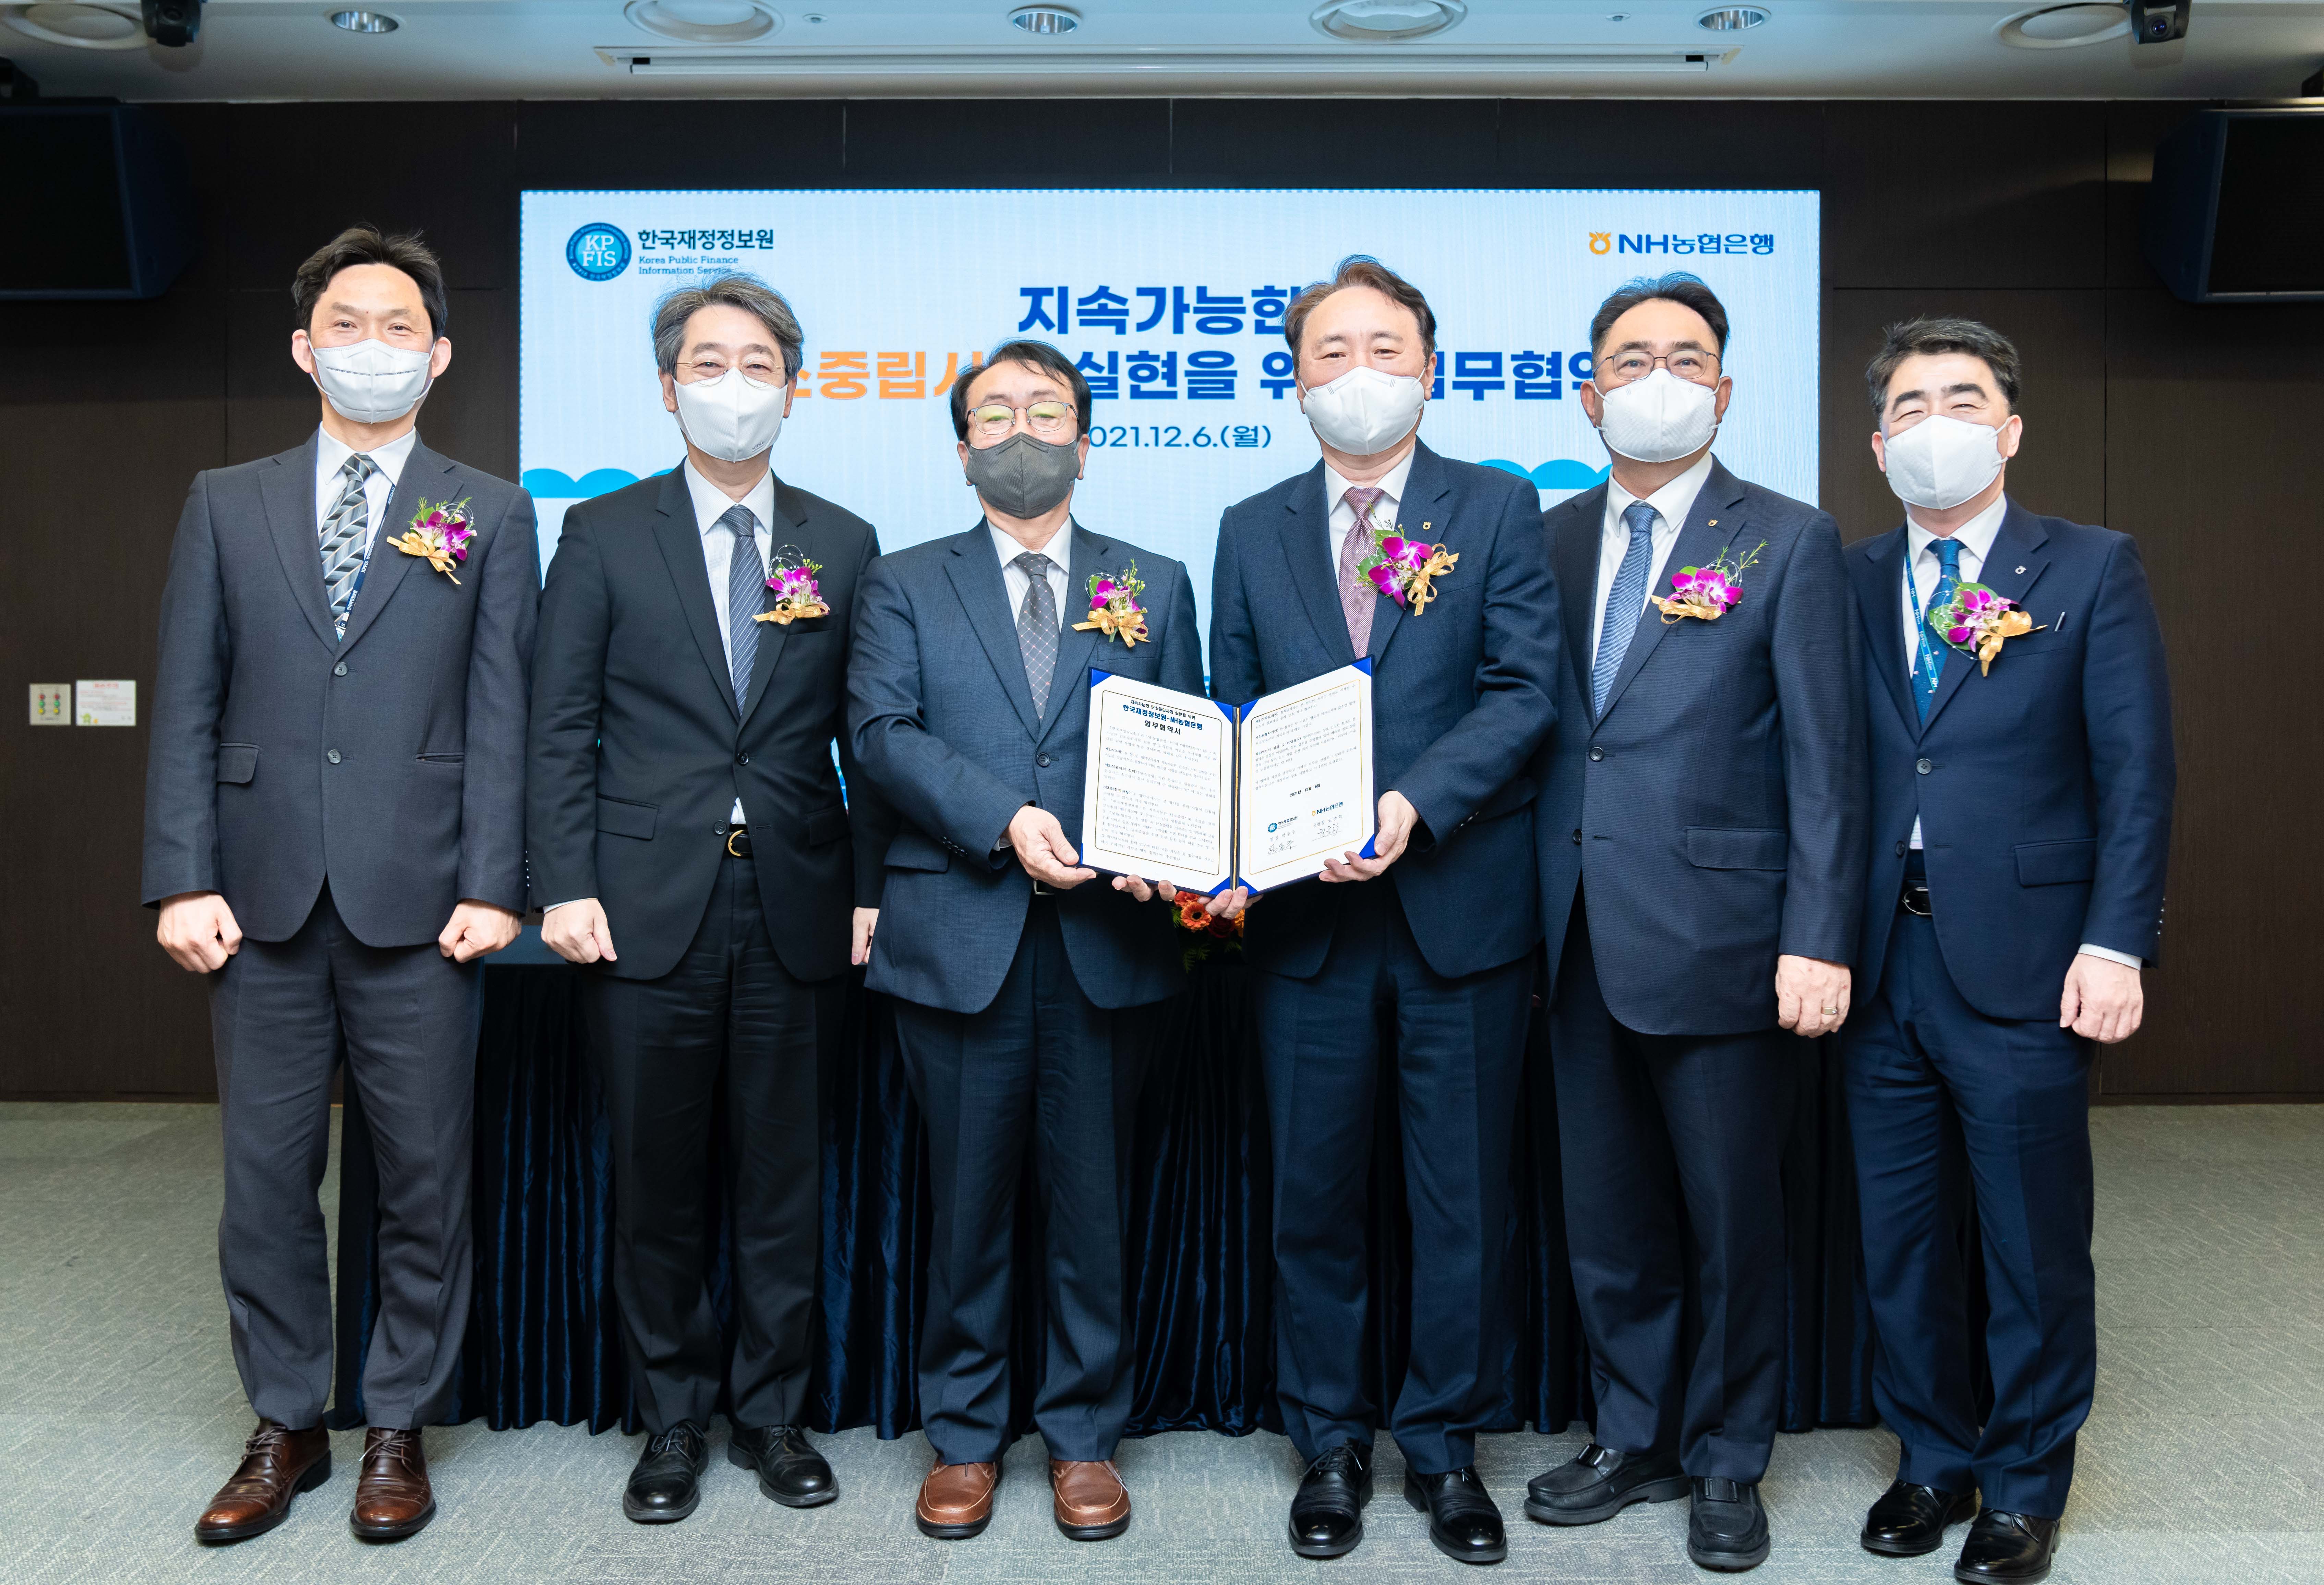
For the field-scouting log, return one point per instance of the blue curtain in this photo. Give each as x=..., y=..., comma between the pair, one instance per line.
x=541, y=1342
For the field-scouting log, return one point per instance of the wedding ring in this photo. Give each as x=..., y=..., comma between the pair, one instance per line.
x=1831, y=1012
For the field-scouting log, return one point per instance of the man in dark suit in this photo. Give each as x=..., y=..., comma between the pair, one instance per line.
x=334, y=835
x=1701, y=848
x=1018, y=976
x=2021, y=822
x=696, y=848
x=1435, y=933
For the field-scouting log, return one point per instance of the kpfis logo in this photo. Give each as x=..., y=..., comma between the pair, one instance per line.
x=598, y=252
x=1602, y=242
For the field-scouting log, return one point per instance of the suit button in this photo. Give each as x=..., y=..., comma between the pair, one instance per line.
x=340, y=670
x=718, y=830
x=1900, y=850
x=332, y=755
x=1577, y=836
x=1596, y=753
x=1043, y=761
x=741, y=759
x=1924, y=766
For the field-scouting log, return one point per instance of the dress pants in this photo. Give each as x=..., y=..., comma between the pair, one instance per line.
x=727, y=1013
x=1673, y=1147
x=1046, y=1070
x=1458, y=1055
x=1944, y=1102
x=405, y=1018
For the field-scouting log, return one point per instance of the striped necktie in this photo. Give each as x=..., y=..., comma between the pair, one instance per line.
x=346, y=537
x=746, y=597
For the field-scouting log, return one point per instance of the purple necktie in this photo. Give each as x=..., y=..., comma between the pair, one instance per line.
x=1357, y=595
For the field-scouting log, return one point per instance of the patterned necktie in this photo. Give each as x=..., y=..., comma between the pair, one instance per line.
x=1930, y=664
x=1037, y=628
x=1625, y=603
x=1356, y=597
x=746, y=597
x=346, y=537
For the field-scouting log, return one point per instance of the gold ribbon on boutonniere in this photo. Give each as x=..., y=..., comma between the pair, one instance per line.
x=1114, y=609
x=798, y=597
x=1977, y=622
x=439, y=535
x=1406, y=570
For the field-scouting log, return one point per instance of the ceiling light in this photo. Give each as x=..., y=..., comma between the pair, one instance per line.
x=704, y=22
x=1729, y=19
x=364, y=22
x=2064, y=27
x=79, y=27
x=1386, y=22
x=1045, y=21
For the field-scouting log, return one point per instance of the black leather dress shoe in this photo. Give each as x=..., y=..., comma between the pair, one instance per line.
x=1910, y=1520
x=1327, y=1515
x=789, y=1469
x=2016, y=1548
x=1599, y=1483
x=1462, y=1521
x=1728, y=1530
x=666, y=1484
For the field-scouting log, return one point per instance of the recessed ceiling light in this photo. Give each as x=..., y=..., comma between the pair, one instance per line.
x=1618, y=16
x=79, y=27
x=1730, y=19
x=1045, y=21
x=1386, y=22
x=2064, y=27
x=704, y=22
x=364, y=22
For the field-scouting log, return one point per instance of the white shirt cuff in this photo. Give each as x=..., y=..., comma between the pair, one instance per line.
x=2110, y=955
x=552, y=908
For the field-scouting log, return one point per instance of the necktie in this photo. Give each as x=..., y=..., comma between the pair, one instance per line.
x=1931, y=664
x=1037, y=628
x=1356, y=597
x=345, y=538
x=1625, y=603
x=746, y=597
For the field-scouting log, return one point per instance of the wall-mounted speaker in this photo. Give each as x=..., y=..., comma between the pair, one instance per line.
x=97, y=199
x=2236, y=213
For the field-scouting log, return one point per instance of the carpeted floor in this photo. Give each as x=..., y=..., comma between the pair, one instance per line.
x=120, y=1413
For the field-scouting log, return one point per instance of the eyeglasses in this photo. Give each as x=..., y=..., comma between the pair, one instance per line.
x=1699, y=367
x=1043, y=418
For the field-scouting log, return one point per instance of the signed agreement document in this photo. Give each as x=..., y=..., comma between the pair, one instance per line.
x=1204, y=795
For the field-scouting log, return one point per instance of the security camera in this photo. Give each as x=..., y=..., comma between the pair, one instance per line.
x=2160, y=24
x=173, y=24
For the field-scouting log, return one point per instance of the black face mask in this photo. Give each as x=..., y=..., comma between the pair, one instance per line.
x=1023, y=477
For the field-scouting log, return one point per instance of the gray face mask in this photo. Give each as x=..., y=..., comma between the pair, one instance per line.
x=1023, y=477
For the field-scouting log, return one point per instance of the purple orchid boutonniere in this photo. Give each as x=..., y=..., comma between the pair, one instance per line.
x=1977, y=622
x=796, y=594
x=1114, y=609
x=439, y=534
x=1707, y=593
x=1405, y=570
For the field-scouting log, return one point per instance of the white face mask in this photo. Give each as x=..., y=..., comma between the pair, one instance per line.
x=1659, y=419
x=371, y=383
x=1941, y=462
x=1365, y=410
x=733, y=417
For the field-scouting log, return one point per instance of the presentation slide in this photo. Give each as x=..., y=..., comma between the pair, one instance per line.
x=1172, y=303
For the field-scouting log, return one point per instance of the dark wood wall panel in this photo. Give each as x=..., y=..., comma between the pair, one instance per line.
x=2194, y=429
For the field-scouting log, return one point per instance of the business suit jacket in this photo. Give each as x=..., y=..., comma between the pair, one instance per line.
x=943, y=721
x=2043, y=788
x=1714, y=815
x=639, y=751
x=1461, y=698
x=392, y=762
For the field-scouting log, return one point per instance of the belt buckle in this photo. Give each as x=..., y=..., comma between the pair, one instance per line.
x=1042, y=889
x=741, y=835
x=1925, y=911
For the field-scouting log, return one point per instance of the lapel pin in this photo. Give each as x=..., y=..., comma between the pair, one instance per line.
x=1712, y=523
x=2021, y=569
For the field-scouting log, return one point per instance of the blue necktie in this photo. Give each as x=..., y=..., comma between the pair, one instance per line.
x=1930, y=664
x=1625, y=603
x=746, y=597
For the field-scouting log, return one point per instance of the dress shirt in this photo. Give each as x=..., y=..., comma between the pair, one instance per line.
x=1976, y=538
x=1060, y=552
x=1672, y=502
x=710, y=504
x=331, y=454
x=1383, y=513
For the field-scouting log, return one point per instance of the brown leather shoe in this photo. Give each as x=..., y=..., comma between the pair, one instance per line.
x=956, y=1500
x=277, y=1464
x=393, y=1498
x=1092, y=1504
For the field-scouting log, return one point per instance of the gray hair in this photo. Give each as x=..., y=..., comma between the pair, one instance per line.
x=746, y=293
x=1929, y=336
